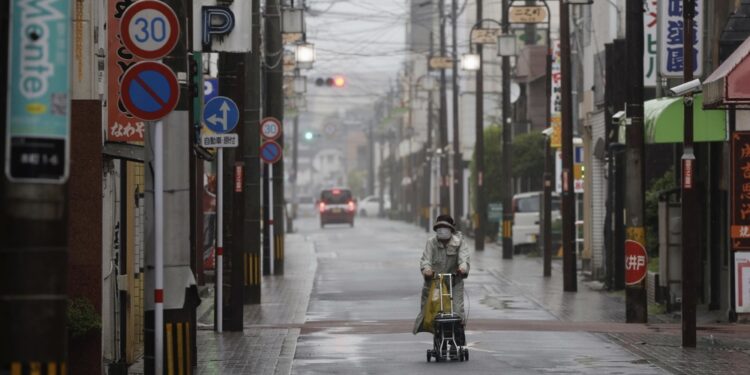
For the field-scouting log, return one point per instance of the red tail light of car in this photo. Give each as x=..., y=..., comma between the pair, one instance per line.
x=322, y=206
x=351, y=206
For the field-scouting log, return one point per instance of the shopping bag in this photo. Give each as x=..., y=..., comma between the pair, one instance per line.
x=432, y=306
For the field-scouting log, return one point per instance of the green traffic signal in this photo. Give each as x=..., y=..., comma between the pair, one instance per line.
x=309, y=135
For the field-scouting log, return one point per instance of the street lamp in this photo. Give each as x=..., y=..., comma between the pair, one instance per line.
x=476, y=58
x=507, y=45
x=305, y=55
x=471, y=62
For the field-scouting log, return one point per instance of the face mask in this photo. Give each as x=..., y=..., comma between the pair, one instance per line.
x=444, y=233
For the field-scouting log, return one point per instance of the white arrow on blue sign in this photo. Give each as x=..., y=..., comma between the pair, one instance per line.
x=221, y=114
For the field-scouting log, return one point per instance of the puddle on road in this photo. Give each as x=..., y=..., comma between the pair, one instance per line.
x=507, y=303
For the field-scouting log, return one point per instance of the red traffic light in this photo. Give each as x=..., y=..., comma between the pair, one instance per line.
x=335, y=81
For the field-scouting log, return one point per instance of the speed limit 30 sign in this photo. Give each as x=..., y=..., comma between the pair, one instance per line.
x=149, y=29
x=270, y=128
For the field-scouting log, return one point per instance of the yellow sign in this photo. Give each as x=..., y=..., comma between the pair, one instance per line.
x=485, y=36
x=441, y=62
x=528, y=14
x=556, y=138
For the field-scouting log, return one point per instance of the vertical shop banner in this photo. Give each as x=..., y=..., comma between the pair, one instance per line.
x=650, y=22
x=121, y=126
x=556, y=96
x=671, y=38
x=740, y=191
x=39, y=86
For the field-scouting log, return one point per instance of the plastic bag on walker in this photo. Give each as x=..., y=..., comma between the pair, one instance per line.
x=432, y=306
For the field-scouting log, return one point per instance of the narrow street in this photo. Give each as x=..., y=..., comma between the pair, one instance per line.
x=366, y=295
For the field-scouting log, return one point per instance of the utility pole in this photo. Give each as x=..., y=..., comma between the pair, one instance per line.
x=507, y=229
x=690, y=253
x=274, y=107
x=458, y=168
x=635, y=295
x=370, y=157
x=445, y=192
x=34, y=232
x=549, y=162
x=250, y=141
x=568, y=192
x=481, y=208
x=295, y=158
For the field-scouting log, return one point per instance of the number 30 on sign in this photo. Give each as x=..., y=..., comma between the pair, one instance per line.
x=149, y=29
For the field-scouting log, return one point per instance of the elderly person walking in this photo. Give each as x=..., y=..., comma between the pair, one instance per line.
x=445, y=252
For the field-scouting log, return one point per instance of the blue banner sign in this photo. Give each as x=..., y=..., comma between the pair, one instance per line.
x=39, y=83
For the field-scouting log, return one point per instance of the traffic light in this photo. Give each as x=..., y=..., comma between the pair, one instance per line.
x=309, y=135
x=334, y=81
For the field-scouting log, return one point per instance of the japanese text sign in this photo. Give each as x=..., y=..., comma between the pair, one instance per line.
x=121, y=125
x=671, y=37
x=740, y=191
x=39, y=85
x=650, y=21
x=636, y=263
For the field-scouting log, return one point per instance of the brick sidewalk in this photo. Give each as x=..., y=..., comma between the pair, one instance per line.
x=716, y=353
x=263, y=350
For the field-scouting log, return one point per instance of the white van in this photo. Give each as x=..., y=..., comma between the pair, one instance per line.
x=527, y=216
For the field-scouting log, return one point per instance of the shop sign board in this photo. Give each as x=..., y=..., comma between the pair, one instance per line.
x=39, y=87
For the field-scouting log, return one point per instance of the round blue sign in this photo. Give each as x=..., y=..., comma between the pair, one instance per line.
x=221, y=114
x=149, y=90
x=270, y=152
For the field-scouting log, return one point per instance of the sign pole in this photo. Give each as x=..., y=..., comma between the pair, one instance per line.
x=219, y=241
x=270, y=217
x=159, y=248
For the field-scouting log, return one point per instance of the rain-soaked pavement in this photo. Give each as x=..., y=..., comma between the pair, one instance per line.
x=366, y=295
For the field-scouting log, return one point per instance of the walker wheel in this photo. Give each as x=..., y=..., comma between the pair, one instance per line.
x=466, y=354
x=429, y=355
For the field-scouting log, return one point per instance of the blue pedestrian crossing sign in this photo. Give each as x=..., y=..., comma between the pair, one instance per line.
x=221, y=114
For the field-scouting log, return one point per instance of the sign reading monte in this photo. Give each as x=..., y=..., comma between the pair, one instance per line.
x=38, y=113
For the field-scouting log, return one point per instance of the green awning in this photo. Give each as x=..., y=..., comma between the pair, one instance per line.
x=663, y=119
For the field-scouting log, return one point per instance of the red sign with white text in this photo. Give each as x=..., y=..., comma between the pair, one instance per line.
x=636, y=262
x=739, y=198
x=121, y=126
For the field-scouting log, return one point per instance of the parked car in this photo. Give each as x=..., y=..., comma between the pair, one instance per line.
x=336, y=206
x=527, y=214
x=370, y=206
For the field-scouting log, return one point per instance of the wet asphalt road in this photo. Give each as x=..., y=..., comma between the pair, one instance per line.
x=366, y=296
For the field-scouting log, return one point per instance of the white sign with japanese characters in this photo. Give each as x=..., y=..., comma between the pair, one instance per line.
x=220, y=140
x=671, y=37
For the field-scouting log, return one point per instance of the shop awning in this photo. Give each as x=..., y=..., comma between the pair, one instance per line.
x=663, y=120
x=727, y=85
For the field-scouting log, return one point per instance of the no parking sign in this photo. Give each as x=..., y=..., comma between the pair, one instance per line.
x=149, y=90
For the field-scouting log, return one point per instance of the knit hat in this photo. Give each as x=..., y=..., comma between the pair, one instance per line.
x=445, y=221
